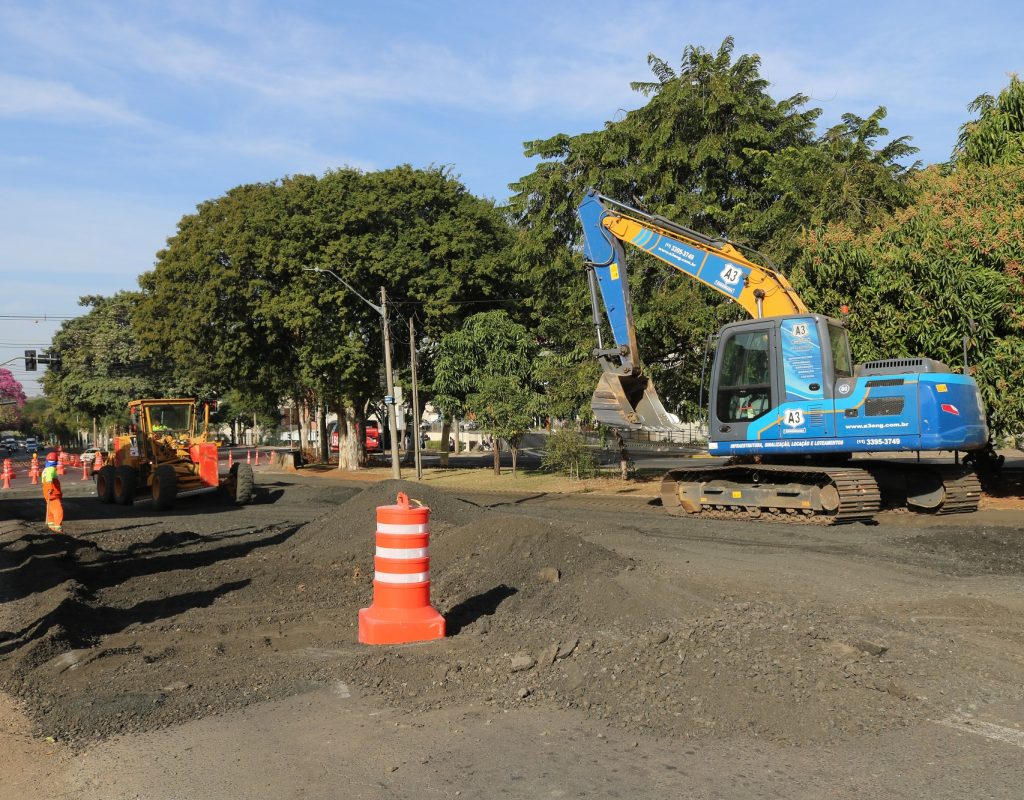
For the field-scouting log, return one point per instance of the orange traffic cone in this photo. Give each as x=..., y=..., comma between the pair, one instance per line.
x=61, y=460
x=248, y=456
x=7, y=473
x=257, y=462
x=401, y=610
x=85, y=471
x=97, y=463
x=33, y=472
x=231, y=460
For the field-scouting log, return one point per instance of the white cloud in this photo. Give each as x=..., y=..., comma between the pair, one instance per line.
x=29, y=97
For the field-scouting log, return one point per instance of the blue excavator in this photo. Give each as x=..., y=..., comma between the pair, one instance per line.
x=787, y=404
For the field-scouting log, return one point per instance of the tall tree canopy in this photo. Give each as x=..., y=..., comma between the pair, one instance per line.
x=232, y=302
x=100, y=365
x=997, y=135
x=713, y=150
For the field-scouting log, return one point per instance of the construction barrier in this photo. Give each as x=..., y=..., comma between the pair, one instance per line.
x=97, y=463
x=401, y=610
x=33, y=470
x=62, y=459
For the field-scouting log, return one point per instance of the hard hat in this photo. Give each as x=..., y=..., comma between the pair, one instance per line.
x=51, y=459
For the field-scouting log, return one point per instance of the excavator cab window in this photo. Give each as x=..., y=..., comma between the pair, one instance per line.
x=744, y=379
x=842, y=361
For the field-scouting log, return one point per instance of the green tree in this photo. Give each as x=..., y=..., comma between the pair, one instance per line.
x=946, y=267
x=997, y=135
x=845, y=176
x=262, y=324
x=100, y=366
x=486, y=367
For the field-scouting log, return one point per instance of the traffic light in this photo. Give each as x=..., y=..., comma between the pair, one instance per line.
x=30, y=360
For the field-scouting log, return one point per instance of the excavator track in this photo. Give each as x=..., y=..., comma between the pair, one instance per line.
x=800, y=494
x=963, y=491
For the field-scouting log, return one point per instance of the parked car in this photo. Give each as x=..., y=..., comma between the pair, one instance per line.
x=31, y=445
x=88, y=456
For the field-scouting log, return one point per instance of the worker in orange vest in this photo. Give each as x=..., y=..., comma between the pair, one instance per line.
x=52, y=494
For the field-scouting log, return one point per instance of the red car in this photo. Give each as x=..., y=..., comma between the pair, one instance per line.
x=373, y=439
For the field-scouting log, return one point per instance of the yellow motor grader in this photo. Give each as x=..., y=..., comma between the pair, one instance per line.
x=167, y=453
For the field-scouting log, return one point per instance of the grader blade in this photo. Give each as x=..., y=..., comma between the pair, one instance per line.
x=627, y=401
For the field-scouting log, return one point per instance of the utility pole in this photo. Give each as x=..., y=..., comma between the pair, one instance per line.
x=389, y=401
x=415, y=403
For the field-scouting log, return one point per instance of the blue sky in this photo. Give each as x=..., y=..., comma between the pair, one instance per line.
x=118, y=118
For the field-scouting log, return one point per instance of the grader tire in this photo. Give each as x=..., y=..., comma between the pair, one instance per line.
x=244, y=482
x=124, y=486
x=165, y=487
x=105, y=484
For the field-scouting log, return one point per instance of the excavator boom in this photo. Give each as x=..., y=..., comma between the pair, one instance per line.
x=625, y=396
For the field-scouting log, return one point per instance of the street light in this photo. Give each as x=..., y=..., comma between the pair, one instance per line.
x=389, y=401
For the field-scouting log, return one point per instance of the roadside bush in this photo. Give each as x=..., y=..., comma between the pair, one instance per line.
x=566, y=451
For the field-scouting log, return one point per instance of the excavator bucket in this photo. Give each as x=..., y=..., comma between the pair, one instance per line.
x=627, y=401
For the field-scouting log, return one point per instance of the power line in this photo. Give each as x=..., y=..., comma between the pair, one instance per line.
x=40, y=317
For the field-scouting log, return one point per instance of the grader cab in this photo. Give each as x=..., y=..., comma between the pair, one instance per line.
x=168, y=454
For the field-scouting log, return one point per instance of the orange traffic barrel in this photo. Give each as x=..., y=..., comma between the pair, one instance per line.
x=401, y=610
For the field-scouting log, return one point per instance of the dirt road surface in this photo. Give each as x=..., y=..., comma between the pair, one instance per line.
x=597, y=648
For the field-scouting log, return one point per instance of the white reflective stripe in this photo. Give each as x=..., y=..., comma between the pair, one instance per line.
x=401, y=577
x=402, y=552
x=387, y=527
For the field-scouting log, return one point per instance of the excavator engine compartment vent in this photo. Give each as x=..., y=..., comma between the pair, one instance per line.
x=897, y=366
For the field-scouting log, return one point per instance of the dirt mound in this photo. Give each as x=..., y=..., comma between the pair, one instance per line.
x=151, y=621
x=346, y=531
x=537, y=614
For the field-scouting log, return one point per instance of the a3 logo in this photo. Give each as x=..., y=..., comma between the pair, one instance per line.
x=793, y=418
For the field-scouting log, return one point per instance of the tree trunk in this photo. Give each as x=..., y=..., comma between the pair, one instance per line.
x=303, y=425
x=623, y=457
x=496, y=447
x=321, y=423
x=349, y=455
x=514, y=447
x=446, y=432
x=456, y=435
